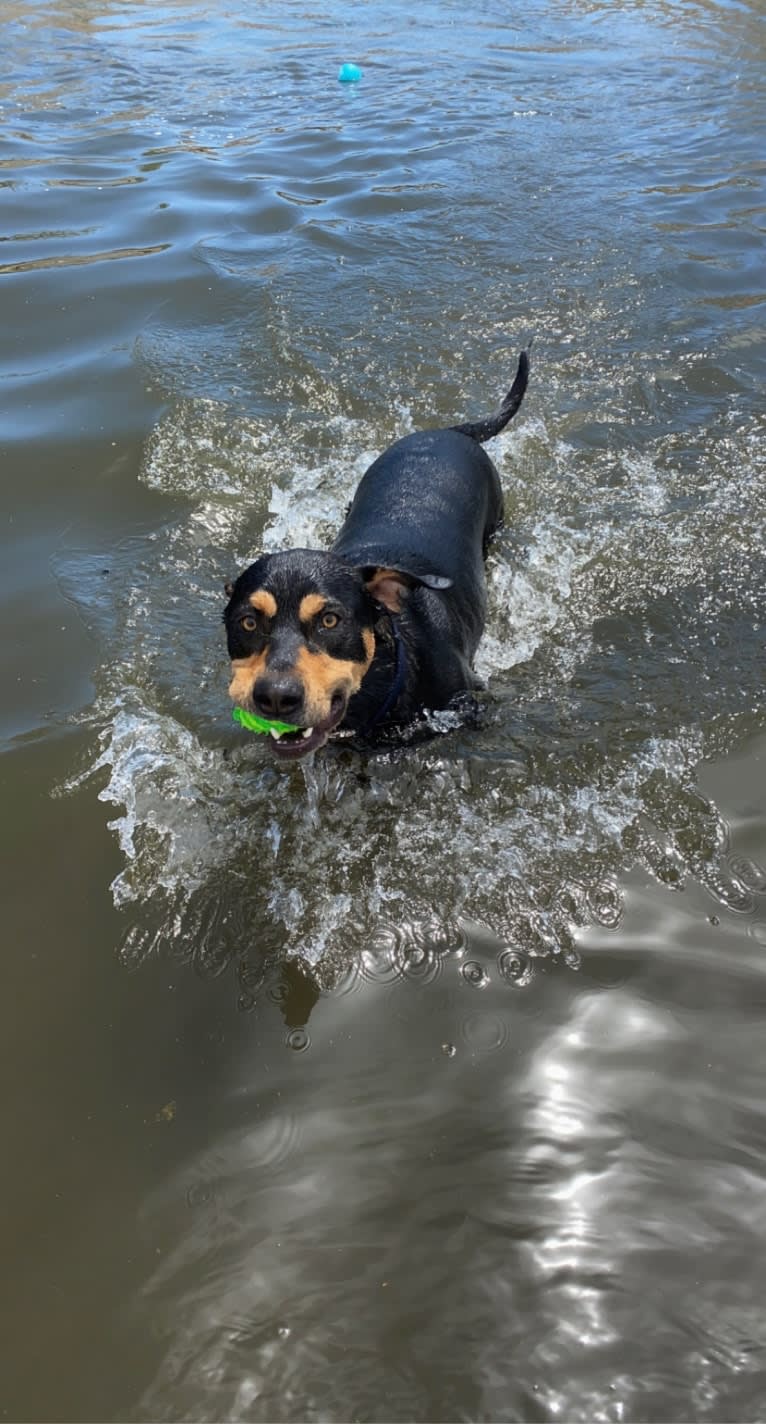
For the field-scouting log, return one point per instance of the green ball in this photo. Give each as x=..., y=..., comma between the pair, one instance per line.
x=253, y=723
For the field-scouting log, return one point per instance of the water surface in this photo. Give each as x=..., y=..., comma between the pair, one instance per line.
x=410, y=1087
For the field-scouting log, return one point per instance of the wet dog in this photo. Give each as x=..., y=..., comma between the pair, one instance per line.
x=366, y=637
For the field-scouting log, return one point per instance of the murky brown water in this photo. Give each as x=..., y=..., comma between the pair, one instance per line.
x=423, y=1088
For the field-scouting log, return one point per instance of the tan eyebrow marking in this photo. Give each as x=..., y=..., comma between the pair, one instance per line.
x=263, y=602
x=310, y=605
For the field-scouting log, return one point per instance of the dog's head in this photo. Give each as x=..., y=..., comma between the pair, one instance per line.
x=300, y=632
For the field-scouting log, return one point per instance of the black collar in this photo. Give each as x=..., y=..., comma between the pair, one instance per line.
x=397, y=686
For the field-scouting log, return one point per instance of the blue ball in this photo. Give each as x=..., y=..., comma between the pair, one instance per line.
x=349, y=74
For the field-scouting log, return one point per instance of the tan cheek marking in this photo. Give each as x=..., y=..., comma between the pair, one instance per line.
x=310, y=605
x=322, y=675
x=244, y=672
x=263, y=602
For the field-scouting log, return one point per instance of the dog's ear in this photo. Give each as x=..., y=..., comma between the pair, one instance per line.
x=228, y=587
x=387, y=586
x=391, y=586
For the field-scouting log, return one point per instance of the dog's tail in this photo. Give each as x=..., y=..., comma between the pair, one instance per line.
x=482, y=430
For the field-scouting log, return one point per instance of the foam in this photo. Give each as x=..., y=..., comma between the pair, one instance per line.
x=523, y=825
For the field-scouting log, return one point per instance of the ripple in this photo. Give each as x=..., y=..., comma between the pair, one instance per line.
x=726, y=891
x=348, y=980
x=403, y=952
x=378, y=961
x=298, y=1040
x=441, y=937
x=271, y=1143
x=748, y=872
x=474, y=974
x=516, y=968
x=415, y=957
x=250, y=979
x=484, y=1032
x=605, y=904
x=200, y=1194
x=267, y=1147
x=34, y=264
x=571, y=901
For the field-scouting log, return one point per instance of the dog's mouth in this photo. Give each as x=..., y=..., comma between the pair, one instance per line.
x=291, y=746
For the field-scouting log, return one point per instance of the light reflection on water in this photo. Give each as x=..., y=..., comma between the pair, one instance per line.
x=436, y=1090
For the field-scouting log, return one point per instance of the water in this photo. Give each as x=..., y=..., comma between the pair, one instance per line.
x=413, y=1087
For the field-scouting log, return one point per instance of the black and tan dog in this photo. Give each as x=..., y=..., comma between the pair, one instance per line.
x=385, y=625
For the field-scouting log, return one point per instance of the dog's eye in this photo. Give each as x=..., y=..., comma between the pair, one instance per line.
x=329, y=620
x=249, y=623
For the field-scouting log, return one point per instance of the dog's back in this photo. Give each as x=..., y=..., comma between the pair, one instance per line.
x=428, y=504
x=434, y=496
x=427, y=507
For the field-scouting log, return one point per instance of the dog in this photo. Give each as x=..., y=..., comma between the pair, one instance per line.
x=366, y=637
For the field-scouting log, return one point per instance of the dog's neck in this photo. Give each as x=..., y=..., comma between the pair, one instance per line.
x=385, y=681
x=398, y=683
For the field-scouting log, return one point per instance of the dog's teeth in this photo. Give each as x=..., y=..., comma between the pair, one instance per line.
x=307, y=732
x=274, y=733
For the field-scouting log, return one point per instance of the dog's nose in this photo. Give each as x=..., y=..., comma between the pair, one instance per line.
x=278, y=697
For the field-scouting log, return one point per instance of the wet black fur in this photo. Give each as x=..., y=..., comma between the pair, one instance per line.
x=427, y=507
